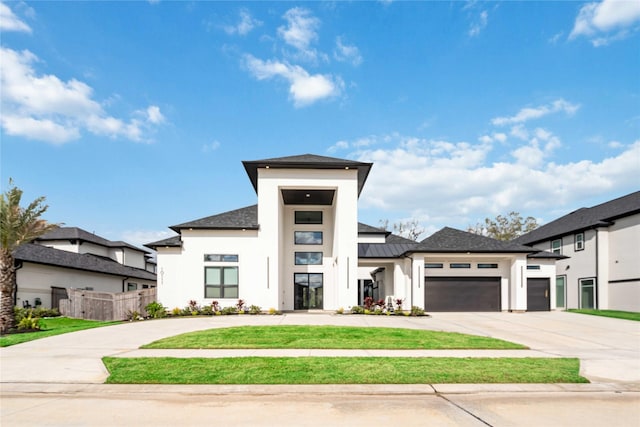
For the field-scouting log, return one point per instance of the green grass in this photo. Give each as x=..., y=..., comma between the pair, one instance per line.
x=341, y=370
x=628, y=315
x=50, y=327
x=328, y=337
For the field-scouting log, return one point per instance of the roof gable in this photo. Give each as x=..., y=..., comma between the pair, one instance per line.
x=584, y=218
x=458, y=241
x=306, y=161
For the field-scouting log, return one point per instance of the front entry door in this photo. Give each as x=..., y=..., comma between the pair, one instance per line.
x=307, y=291
x=538, y=294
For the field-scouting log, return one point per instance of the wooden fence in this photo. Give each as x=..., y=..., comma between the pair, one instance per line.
x=91, y=305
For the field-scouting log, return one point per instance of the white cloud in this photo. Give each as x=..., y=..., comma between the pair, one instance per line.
x=615, y=144
x=530, y=113
x=606, y=21
x=300, y=32
x=479, y=25
x=212, y=146
x=45, y=108
x=304, y=88
x=347, y=53
x=10, y=22
x=456, y=184
x=244, y=26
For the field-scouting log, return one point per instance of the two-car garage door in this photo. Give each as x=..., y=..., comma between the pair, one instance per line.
x=462, y=293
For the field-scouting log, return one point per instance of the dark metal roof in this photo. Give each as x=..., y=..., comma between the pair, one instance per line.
x=384, y=250
x=38, y=254
x=450, y=240
x=243, y=218
x=307, y=161
x=173, y=241
x=546, y=255
x=583, y=219
x=75, y=233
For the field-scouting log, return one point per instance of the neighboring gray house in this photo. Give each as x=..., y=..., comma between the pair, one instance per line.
x=602, y=244
x=69, y=257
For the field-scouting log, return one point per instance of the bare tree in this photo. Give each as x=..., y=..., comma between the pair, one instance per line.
x=409, y=229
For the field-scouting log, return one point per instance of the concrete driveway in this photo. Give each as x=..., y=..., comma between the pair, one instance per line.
x=609, y=349
x=57, y=381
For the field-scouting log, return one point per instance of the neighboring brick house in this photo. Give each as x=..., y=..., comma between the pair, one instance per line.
x=602, y=244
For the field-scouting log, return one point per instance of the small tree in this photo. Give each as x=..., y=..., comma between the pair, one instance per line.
x=504, y=227
x=18, y=225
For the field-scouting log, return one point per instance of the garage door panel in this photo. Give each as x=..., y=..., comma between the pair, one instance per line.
x=462, y=293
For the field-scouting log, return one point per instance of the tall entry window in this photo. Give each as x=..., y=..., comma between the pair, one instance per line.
x=560, y=292
x=587, y=293
x=307, y=291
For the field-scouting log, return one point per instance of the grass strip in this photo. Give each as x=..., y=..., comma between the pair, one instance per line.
x=617, y=314
x=341, y=370
x=52, y=326
x=328, y=337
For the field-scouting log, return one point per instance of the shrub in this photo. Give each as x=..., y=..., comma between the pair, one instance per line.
x=207, y=310
x=39, y=312
x=240, y=305
x=229, y=310
x=356, y=309
x=176, y=311
x=381, y=304
x=399, y=302
x=378, y=311
x=254, y=309
x=417, y=311
x=29, y=323
x=156, y=310
x=215, y=306
x=133, y=316
x=368, y=303
x=273, y=311
x=340, y=311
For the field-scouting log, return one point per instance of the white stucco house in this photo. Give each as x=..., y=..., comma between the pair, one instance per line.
x=602, y=245
x=301, y=247
x=70, y=257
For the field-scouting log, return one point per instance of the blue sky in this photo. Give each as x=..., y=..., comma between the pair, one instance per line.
x=133, y=116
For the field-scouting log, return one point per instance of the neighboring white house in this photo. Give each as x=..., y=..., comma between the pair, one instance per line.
x=602, y=244
x=69, y=257
x=301, y=247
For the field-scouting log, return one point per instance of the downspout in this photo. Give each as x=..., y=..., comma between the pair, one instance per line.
x=124, y=289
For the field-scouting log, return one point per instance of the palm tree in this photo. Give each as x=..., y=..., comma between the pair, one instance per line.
x=17, y=226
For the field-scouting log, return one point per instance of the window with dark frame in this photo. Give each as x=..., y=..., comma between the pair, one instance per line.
x=433, y=265
x=533, y=267
x=308, y=258
x=307, y=237
x=221, y=282
x=487, y=265
x=556, y=246
x=459, y=265
x=220, y=258
x=579, y=241
x=308, y=217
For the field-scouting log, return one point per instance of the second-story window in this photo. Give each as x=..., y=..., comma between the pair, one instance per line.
x=579, y=241
x=556, y=246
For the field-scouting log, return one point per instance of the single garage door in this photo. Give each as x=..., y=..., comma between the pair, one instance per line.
x=462, y=293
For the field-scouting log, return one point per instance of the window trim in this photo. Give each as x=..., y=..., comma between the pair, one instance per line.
x=578, y=243
x=222, y=285
x=557, y=250
x=595, y=291
x=211, y=258
x=533, y=267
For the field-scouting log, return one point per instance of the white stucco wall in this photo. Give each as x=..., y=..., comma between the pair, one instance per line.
x=36, y=280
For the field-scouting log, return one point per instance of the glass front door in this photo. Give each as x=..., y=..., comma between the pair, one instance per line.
x=307, y=291
x=587, y=293
x=560, y=280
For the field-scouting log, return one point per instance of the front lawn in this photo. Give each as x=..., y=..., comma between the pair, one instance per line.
x=341, y=370
x=627, y=315
x=328, y=337
x=52, y=326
